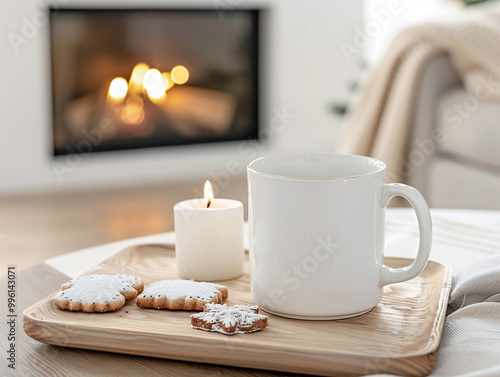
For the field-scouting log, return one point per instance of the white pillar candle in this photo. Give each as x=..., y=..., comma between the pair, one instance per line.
x=209, y=238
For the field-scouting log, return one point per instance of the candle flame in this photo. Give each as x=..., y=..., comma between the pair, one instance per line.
x=209, y=193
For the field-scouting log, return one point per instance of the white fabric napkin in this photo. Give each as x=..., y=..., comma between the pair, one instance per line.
x=470, y=346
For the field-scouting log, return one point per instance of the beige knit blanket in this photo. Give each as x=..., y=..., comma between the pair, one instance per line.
x=380, y=123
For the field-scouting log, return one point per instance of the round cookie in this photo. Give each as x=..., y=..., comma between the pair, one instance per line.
x=181, y=295
x=98, y=293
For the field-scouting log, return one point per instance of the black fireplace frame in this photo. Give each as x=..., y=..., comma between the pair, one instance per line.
x=153, y=142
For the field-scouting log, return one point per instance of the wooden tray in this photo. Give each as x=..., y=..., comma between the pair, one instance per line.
x=400, y=336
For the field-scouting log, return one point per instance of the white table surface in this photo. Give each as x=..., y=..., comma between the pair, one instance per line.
x=460, y=238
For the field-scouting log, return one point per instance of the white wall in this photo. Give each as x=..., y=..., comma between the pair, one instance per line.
x=385, y=19
x=305, y=72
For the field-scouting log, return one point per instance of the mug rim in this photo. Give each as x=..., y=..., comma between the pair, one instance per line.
x=374, y=161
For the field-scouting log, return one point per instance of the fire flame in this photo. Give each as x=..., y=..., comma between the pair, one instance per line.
x=133, y=112
x=180, y=74
x=146, y=80
x=137, y=78
x=117, y=90
x=153, y=83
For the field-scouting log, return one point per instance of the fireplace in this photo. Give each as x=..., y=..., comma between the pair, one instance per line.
x=139, y=78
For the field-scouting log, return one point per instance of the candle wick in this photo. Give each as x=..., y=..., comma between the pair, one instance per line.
x=208, y=203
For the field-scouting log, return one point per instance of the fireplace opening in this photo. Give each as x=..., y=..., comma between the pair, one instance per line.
x=138, y=78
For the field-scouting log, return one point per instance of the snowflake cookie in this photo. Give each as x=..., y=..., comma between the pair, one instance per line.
x=98, y=293
x=237, y=319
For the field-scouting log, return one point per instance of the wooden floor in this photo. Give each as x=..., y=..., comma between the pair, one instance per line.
x=35, y=228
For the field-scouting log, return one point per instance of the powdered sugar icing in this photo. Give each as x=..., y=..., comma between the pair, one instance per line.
x=244, y=316
x=98, y=289
x=182, y=289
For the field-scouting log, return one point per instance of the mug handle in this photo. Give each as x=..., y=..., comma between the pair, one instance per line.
x=390, y=275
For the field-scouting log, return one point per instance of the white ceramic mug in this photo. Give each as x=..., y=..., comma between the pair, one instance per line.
x=317, y=234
